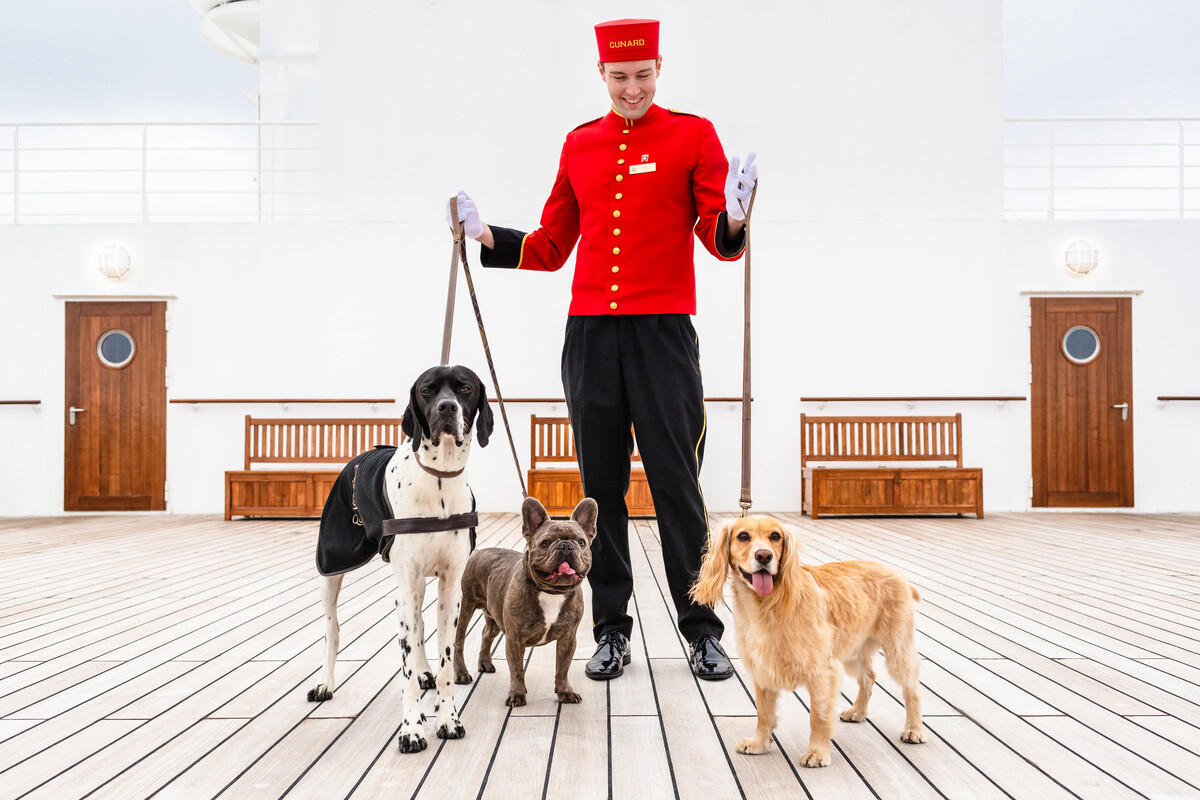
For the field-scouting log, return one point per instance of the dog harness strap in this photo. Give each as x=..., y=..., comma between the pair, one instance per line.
x=744, y=501
x=394, y=527
x=473, y=527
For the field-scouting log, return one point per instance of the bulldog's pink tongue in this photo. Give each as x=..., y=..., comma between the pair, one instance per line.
x=565, y=569
x=763, y=582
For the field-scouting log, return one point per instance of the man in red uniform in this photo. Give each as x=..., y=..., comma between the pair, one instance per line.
x=631, y=189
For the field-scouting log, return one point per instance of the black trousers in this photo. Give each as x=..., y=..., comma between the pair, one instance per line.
x=644, y=370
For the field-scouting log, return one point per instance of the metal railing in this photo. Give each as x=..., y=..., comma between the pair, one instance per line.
x=1102, y=168
x=158, y=172
x=1078, y=168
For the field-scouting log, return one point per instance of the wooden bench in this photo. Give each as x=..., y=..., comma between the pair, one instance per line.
x=296, y=486
x=559, y=488
x=887, y=490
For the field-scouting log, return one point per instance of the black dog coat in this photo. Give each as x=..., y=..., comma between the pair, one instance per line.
x=353, y=528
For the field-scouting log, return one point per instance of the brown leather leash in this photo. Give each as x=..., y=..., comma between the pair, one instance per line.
x=459, y=251
x=744, y=501
x=460, y=245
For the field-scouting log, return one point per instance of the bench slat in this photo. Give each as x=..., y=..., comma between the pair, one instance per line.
x=881, y=439
x=315, y=441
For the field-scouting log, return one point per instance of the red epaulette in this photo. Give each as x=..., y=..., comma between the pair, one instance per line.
x=589, y=122
x=684, y=113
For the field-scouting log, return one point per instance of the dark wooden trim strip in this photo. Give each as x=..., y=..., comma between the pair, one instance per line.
x=561, y=400
x=20, y=402
x=392, y=400
x=906, y=399
x=269, y=400
x=1181, y=397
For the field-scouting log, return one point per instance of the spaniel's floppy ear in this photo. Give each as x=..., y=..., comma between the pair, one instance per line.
x=709, y=587
x=787, y=582
x=484, y=419
x=414, y=423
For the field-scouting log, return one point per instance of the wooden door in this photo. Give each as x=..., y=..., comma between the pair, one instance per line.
x=1082, y=402
x=116, y=446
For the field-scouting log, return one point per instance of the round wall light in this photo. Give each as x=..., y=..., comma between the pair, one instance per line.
x=114, y=262
x=1082, y=257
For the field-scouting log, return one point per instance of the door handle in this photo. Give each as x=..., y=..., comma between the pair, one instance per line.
x=73, y=411
x=1124, y=410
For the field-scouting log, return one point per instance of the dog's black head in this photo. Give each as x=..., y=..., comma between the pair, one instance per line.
x=447, y=401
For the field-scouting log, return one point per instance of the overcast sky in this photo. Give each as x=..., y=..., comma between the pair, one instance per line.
x=143, y=60
x=1101, y=58
x=115, y=61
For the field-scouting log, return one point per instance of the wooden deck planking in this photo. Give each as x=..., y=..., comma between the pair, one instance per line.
x=640, y=767
x=581, y=757
x=1061, y=656
x=1096, y=645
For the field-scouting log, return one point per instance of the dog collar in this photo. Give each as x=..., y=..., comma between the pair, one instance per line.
x=438, y=472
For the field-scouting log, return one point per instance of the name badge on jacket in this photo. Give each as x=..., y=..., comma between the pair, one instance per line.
x=635, y=169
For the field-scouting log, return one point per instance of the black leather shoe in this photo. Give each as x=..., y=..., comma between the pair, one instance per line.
x=612, y=654
x=708, y=660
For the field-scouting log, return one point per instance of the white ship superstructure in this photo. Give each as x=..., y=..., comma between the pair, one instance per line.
x=906, y=240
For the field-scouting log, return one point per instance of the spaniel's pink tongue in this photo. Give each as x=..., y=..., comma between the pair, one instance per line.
x=565, y=569
x=763, y=582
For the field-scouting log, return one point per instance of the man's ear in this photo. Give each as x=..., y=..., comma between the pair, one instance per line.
x=600, y=66
x=533, y=516
x=658, y=66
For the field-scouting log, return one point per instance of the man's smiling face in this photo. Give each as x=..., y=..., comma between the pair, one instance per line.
x=631, y=84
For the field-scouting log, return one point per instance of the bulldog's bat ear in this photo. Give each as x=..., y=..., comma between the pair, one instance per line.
x=533, y=516
x=585, y=515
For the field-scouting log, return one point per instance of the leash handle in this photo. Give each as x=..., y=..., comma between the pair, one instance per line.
x=487, y=352
x=460, y=251
x=744, y=501
x=459, y=245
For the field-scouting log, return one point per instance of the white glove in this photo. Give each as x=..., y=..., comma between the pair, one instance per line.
x=467, y=214
x=738, y=186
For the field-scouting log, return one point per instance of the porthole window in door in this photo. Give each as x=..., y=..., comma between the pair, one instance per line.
x=115, y=348
x=1081, y=345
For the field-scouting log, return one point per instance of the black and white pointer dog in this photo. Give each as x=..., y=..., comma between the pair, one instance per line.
x=417, y=487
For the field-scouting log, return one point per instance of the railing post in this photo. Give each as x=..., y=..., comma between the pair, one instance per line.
x=259, y=183
x=16, y=175
x=1050, y=214
x=1181, y=177
x=145, y=203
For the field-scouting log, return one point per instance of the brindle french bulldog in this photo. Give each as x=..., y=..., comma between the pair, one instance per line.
x=534, y=597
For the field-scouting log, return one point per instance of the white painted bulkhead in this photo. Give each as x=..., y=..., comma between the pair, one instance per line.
x=882, y=264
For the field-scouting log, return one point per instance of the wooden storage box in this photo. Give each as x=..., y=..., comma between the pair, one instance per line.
x=888, y=489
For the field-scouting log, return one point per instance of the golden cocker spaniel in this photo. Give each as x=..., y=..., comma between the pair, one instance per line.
x=795, y=623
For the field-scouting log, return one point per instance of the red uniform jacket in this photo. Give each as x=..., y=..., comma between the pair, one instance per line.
x=632, y=191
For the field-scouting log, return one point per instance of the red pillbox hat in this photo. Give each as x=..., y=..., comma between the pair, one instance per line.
x=627, y=39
